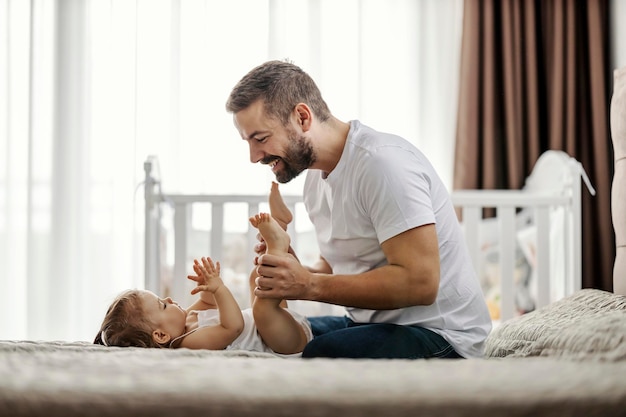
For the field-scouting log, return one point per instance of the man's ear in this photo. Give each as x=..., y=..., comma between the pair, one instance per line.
x=304, y=116
x=160, y=336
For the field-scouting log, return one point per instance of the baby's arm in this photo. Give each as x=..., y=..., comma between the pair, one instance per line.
x=206, y=299
x=231, y=320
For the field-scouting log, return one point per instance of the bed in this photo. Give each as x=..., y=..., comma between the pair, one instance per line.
x=565, y=357
x=544, y=375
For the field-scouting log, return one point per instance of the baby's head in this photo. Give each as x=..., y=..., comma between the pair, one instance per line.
x=125, y=323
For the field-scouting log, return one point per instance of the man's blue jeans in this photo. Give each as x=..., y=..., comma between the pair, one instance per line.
x=340, y=337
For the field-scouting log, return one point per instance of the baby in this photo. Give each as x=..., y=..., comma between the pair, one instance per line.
x=215, y=321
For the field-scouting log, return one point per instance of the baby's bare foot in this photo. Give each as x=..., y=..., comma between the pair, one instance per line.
x=279, y=210
x=276, y=238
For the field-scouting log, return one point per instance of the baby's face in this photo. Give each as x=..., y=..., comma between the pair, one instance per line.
x=165, y=313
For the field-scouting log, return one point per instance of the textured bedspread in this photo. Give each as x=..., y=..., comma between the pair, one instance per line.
x=566, y=359
x=79, y=379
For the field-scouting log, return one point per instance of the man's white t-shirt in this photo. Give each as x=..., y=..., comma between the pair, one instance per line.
x=381, y=187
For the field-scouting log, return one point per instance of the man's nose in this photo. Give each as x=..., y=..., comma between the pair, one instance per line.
x=256, y=154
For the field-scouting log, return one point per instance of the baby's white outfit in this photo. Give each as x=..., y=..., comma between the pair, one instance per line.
x=249, y=339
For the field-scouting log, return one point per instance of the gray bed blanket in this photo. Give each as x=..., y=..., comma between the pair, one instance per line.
x=80, y=379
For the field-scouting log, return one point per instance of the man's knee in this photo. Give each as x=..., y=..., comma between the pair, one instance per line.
x=324, y=346
x=326, y=324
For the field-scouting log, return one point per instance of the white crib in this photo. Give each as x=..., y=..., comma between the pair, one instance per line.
x=544, y=218
x=545, y=215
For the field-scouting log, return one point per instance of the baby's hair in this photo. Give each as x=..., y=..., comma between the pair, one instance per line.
x=124, y=324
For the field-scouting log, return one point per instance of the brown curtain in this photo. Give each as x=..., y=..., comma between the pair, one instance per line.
x=535, y=76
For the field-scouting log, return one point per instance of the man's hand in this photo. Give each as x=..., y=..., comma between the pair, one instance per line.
x=259, y=248
x=282, y=277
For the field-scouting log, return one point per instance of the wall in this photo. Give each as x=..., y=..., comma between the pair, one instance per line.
x=618, y=33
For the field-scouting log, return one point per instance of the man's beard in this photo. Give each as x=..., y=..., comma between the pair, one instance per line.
x=299, y=156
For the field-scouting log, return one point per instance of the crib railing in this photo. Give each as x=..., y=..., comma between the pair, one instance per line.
x=507, y=204
x=554, y=187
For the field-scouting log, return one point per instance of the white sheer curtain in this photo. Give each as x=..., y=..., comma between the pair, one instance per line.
x=90, y=88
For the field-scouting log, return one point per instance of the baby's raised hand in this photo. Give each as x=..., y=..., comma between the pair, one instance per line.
x=208, y=275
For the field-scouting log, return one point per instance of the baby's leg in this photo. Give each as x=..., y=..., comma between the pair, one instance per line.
x=281, y=213
x=277, y=241
x=278, y=208
x=278, y=329
x=276, y=238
